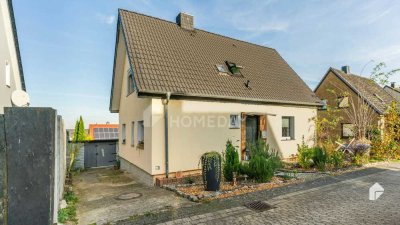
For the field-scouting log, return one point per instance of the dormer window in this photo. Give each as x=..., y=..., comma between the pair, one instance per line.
x=233, y=68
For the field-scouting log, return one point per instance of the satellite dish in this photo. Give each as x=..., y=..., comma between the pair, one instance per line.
x=20, y=98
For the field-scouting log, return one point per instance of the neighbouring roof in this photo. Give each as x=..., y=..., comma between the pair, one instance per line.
x=167, y=58
x=103, y=131
x=14, y=28
x=374, y=94
x=394, y=92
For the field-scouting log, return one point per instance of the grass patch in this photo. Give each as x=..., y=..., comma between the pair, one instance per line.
x=68, y=213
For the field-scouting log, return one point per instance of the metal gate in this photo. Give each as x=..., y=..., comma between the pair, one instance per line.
x=99, y=154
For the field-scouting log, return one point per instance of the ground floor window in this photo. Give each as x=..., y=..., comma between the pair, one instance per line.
x=133, y=133
x=123, y=134
x=287, y=127
x=347, y=130
x=234, y=121
x=140, y=133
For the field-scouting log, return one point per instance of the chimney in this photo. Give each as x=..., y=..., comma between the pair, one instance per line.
x=346, y=69
x=393, y=85
x=185, y=21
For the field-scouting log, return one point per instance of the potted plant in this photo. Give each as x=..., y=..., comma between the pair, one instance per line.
x=117, y=164
x=211, y=168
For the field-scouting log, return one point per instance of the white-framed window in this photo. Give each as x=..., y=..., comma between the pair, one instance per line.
x=343, y=102
x=287, y=128
x=130, y=83
x=133, y=133
x=140, y=135
x=324, y=104
x=8, y=74
x=234, y=121
x=123, y=134
x=347, y=130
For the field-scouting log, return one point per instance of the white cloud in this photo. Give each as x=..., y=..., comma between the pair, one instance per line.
x=107, y=19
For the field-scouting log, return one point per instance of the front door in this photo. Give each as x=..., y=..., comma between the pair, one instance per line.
x=252, y=123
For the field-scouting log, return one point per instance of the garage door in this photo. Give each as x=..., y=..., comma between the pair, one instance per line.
x=100, y=154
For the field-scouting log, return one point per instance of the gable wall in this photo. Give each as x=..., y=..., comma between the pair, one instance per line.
x=7, y=53
x=332, y=82
x=134, y=109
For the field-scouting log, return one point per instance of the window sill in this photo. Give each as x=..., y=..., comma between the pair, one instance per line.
x=290, y=139
x=140, y=146
x=123, y=142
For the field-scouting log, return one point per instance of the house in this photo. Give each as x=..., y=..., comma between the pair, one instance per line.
x=393, y=91
x=182, y=91
x=11, y=73
x=103, y=131
x=338, y=88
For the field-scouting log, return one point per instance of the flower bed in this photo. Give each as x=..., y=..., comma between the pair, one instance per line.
x=196, y=192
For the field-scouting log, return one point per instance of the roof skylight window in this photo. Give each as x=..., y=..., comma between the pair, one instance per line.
x=221, y=69
x=233, y=68
x=379, y=97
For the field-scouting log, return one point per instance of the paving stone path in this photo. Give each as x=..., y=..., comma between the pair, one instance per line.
x=340, y=199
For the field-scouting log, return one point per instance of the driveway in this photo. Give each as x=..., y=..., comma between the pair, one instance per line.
x=107, y=195
x=340, y=199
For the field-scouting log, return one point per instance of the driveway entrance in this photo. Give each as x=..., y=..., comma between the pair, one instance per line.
x=108, y=195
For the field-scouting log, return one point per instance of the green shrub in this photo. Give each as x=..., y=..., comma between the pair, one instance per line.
x=320, y=158
x=305, y=156
x=263, y=162
x=68, y=213
x=337, y=159
x=70, y=197
x=189, y=180
x=244, y=168
x=360, y=160
x=231, y=162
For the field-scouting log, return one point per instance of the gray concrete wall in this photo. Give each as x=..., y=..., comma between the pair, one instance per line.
x=3, y=173
x=138, y=173
x=35, y=145
x=59, y=166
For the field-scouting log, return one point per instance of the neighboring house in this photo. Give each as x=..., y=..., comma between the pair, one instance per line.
x=11, y=74
x=103, y=131
x=338, y=86
x=393, y=91
x=208, y=89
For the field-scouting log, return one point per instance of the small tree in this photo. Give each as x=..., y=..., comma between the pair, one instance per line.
x=231, y=162
x=79, y=136
x=387, y=145
x=80, y=133
x=326, y=123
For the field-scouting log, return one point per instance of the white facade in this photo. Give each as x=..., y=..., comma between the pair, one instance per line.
x=196, y=127
x=10, y=74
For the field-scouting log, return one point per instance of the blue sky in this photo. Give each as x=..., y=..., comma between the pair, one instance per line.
x=67, y=47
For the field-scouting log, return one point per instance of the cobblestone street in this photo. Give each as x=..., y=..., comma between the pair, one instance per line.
x=331, y=200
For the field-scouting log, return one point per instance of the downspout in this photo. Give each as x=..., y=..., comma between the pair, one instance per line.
x=166, y=124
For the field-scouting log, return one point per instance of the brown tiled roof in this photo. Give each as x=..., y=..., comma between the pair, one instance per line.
x=168, y=58
x=372, y=92
x=394, y=92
